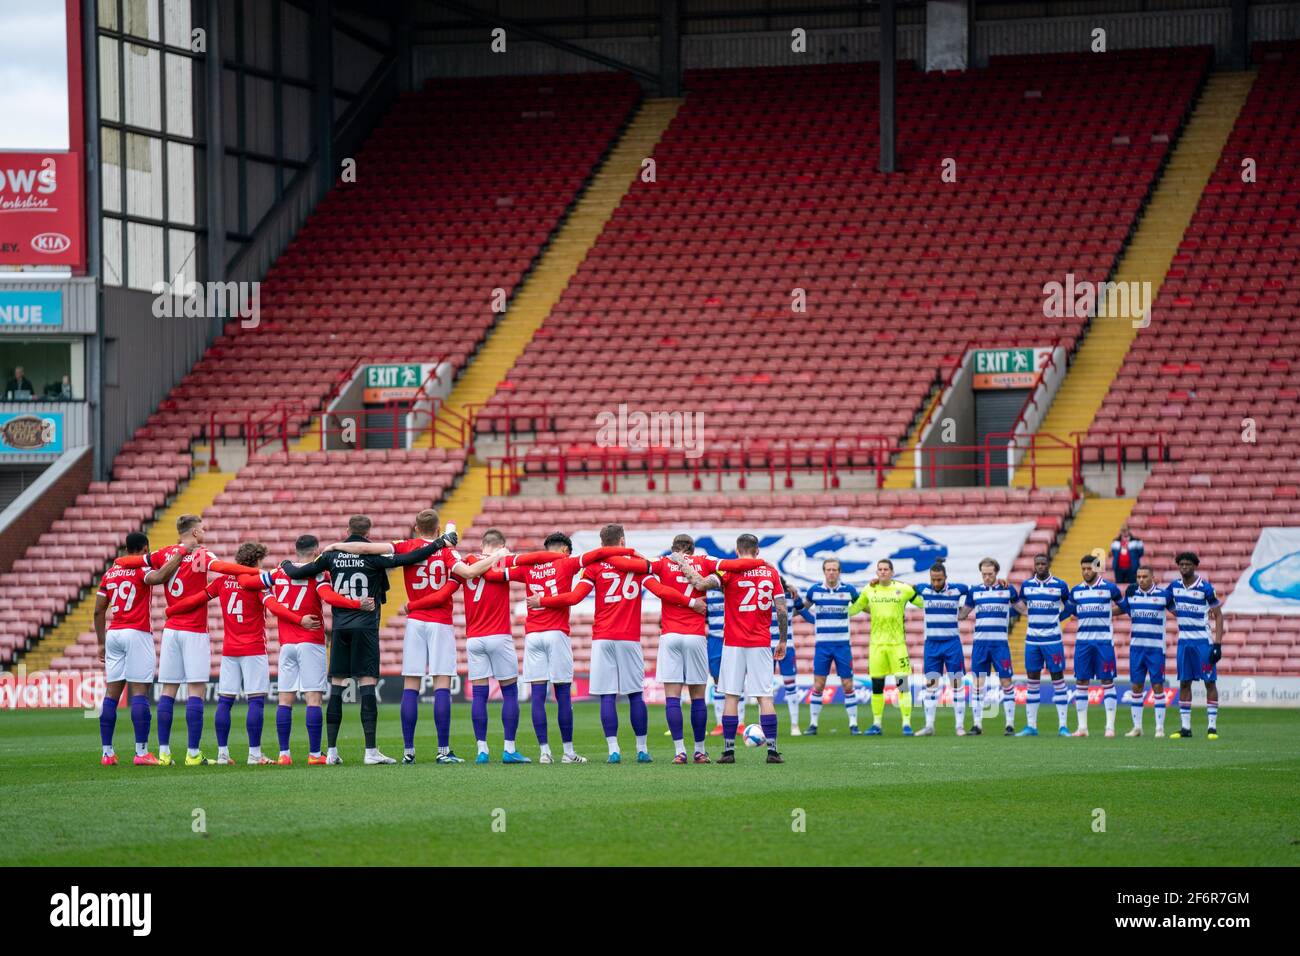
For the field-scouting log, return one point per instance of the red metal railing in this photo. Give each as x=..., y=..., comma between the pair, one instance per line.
x=1122, y=441
x=869, y=455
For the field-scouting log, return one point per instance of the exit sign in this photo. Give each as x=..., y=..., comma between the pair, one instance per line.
x=1008, y=368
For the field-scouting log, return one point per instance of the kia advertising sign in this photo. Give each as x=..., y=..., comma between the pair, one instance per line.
x=40, y=209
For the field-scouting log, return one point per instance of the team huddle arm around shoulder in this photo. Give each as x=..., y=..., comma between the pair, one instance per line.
x=132, y=561
x=569, y=598
x=160, y=575
x=410, y=557
x=439, y=598
x=296, y=572
x=195, y=601
x=604, y=554
x=281, y=611
x=740, y=564
x=665, y=593
x=229, y=567
x=334, y=599
x=860, y=603
x=634, y=563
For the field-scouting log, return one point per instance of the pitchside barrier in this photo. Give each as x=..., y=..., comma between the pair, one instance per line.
x=81, y=690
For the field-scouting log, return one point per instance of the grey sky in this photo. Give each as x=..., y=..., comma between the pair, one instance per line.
x=33, y=75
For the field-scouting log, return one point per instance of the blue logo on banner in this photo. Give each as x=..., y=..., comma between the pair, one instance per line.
x=1281, y=579
x=31, y=308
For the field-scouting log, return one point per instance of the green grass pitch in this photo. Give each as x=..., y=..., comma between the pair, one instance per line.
x=934, y=801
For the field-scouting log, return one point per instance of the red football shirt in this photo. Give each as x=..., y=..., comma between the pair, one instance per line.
x=545, y=580
x=243, y=616
x=487, y=600
x=618, y=602
x=302, y=598
x=682, y=620
x=128, y=596
x=749, y=597
x=431, y=574
x=188, y=581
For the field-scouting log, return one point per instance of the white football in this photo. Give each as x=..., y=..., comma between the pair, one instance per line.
x=753, y=735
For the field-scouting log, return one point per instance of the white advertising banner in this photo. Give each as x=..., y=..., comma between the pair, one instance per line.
x=798, y=552
x=1271, y=584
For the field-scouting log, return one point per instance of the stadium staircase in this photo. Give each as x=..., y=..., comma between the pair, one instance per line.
x=195, y=497
x=1147, y=259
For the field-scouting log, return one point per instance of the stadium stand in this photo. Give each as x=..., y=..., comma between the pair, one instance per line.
x=387, y=267
x=280, y=496
x=760, y=191
x=1223, y=346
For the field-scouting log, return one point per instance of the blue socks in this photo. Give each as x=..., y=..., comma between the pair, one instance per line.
x=194, y=721
x=442, y=716
x=253, y=721
x=140, y=717
x=539, y=712
x=315, y=724
x=509, y=711
x=729, y=725
x=769, y=725
x=410, y=714
x=478, y=711
x=563, y=697
x=639, y=716
x=673, y=711
x=699, y=721
x=222, y=722
x=284, y=725
x=165, y=707
x=107, y=721
x=609, y=714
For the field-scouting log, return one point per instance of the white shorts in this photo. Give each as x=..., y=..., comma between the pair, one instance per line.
x=428, y=648
x=746, y=671
x=617, y=667
x=683, y=659
x=128, y=656
x=185, y=658
x=249, y=674
x=548, y=656
x=492, y=656
x=302, y=668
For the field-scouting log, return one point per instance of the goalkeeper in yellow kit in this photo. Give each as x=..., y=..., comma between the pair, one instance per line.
x=886, y=601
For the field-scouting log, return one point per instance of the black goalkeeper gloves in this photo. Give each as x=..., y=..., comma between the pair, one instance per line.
x=448, y=539
x=1216, y=653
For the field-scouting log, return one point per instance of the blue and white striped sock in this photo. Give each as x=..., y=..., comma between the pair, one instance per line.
x=850, y=707
x=815, y=709
x=1160, y=713
x=1212, y=714
x=1110, y=701
x=1185, y=714
x=1033, y=690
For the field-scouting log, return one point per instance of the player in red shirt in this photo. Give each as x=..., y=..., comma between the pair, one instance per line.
x=489, y=644
x=303, y=666
x=683, y=648
x=126, y=645
x=245, y=666
x=548, y=656
x=747, y=652
x=429, y=644
x=186, y=650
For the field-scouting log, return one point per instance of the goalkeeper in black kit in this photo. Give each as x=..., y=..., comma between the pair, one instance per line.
x=354, y=649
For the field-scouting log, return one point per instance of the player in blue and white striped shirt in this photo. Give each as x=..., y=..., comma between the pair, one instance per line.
x=1195, y=605
x=715, y=614
x=1148, y=604
x=992, y=601
x=785, y=667
x=1094, y=640
x=941, y=600
x=1043, y=597
x=827, y=610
